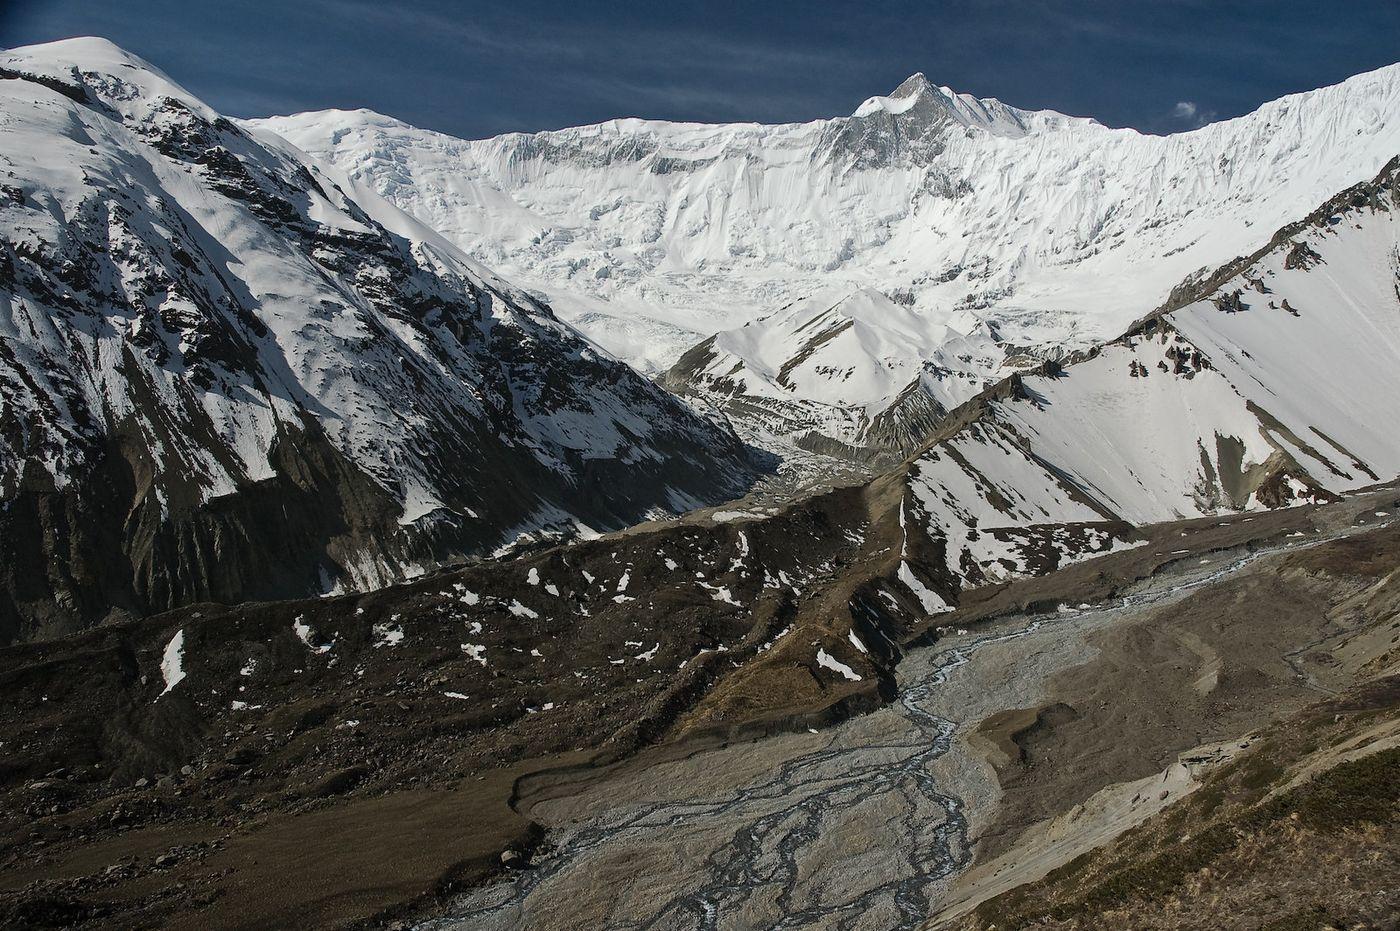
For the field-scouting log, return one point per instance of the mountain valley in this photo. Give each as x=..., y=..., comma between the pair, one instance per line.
x=945, y=516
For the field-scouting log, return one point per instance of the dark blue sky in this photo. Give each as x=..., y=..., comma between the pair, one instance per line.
x=477, y=69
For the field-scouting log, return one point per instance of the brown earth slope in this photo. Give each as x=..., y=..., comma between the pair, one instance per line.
x=1300, y=832
x=1147, y=719
x=357, y=754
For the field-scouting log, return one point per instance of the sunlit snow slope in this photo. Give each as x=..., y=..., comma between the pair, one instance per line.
x=995, y=227
x=1274, y=382
x=229, y=372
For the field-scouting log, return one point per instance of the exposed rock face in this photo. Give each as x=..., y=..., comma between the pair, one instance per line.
x=226, y=373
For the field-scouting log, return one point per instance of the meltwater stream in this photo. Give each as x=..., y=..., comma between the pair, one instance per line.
x=854, y=833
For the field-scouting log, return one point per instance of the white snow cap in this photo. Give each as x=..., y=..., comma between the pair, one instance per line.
x=96, y=55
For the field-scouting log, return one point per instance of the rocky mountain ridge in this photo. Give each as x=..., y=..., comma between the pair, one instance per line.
x=228, y=372
x=1258, y=387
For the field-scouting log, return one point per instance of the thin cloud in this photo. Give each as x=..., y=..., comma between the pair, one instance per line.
x=1191, y=114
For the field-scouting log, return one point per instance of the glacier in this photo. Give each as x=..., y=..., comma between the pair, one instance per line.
x=1050, y=230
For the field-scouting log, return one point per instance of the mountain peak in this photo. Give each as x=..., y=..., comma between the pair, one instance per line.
x=135, y=78
x=330, y=122
x=903, y=98
x=913, y=86
x=79, y=48
x=918, y=95
x=87, y=53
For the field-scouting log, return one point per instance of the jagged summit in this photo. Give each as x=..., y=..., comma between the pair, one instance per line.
x=916, y=83
x=912, y=89
x=940, y=103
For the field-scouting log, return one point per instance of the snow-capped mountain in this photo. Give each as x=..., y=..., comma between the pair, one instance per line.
x=1003, y=236
x=1274, y=382
x=229, y=372
x=846, y=373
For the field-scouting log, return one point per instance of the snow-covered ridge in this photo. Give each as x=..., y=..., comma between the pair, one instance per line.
x=203, y=327
x=1274, y=387
x=986, y=113
x=1050, y=230
x=854, y=367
